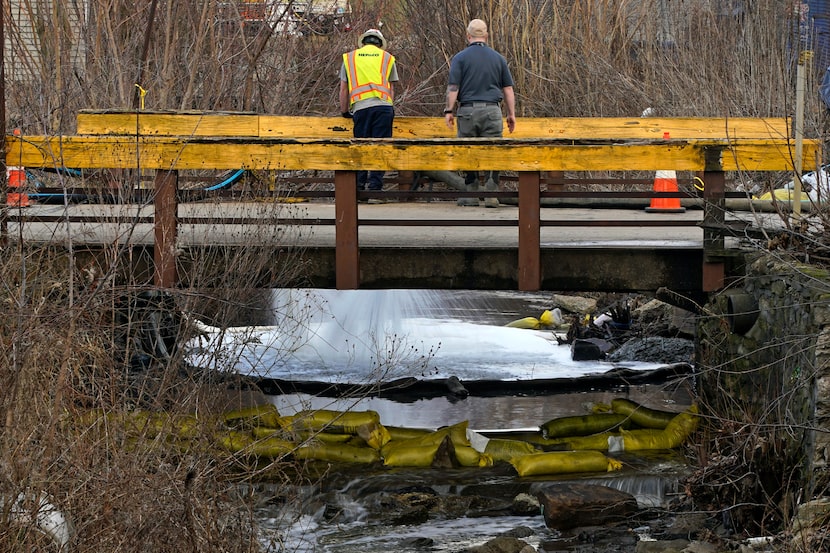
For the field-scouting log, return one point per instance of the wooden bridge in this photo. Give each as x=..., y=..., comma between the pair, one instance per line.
x=540, y=152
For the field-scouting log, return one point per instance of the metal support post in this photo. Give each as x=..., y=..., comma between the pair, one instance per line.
x=347, y=251
x=714, y=219
x=165, y=185
x=530, y=273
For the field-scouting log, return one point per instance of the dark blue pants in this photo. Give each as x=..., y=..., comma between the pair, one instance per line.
x=373, y=122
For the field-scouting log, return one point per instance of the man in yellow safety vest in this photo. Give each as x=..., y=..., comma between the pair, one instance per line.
x=367, y=95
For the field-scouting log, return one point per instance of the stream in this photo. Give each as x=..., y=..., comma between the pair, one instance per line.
x=364, y=337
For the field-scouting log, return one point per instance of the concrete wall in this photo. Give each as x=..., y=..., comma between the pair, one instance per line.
x=764, y=353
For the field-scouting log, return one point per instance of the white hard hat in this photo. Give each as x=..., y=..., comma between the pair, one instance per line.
x=372, y=33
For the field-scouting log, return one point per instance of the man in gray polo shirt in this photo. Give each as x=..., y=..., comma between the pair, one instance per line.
x=479, y=81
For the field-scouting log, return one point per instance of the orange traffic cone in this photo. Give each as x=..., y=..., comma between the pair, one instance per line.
x=665, y=181
x=16, y=178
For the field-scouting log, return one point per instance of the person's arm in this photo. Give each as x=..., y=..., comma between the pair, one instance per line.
x=344, y=97
x=510, y=102
x=452, y=97
x=393, y=78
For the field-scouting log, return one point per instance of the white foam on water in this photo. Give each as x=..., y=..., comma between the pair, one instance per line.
x=358, y=336
x=460, y=534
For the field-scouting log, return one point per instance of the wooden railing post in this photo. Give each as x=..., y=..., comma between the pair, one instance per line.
x=530, y=272
x=166, y=204
x=555, y=180
x=347, y=251
x=714, y=218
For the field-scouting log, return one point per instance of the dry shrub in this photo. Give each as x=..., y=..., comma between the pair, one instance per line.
x=605, y=58
x=62, y=352
x=79, y=364
x=62, y=359
x=612, y=58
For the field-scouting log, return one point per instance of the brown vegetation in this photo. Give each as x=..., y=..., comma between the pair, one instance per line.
x=64, y=350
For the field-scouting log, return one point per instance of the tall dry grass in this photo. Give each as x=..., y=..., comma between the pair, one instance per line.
x=64, y=350
x=612, y=58
x=603, y=58
x=76, y=366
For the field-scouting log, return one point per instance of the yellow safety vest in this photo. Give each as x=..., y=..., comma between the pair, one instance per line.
x=368, y=70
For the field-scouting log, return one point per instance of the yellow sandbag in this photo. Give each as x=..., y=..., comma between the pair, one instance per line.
x=642, y=416
x=85, y=419
x=356, y=441
x=597, y=442
x=506, y=450
x=285, y=427
x=325, y=437
x=154, y=424
x=409, y=453
x=469, y=457
x=135, y=423
x=531, y=323
x=149, y=424
x=682, y=426
x=639, y=439
x=677, y=431
x=288, y=423
x=261, y=432
x=187, y=426
x=237, y=441
x=564, y=462
x=374, y=434
x=259, y=415
x=397, y=433
x=534, y=438
x=583, y=425
x=338, y=453
x=346, y=422
x=420, y=451
x=456, y=432
x=545, y=319
x=271, y=447
x=234, y=440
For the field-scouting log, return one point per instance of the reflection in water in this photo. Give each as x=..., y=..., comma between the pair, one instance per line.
x=491, y=413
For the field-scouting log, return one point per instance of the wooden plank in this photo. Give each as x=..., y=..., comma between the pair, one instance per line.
x=273, y=126
x=611, y=128
x=167, y=124
x=170, y=153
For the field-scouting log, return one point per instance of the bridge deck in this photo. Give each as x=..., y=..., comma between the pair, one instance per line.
x=581, y=249
x=403, y=224
x=170, y=143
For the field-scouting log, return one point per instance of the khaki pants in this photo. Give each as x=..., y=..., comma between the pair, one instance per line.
x=480, y=120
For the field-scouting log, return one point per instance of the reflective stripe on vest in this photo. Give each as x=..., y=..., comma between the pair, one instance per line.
x=368, y=71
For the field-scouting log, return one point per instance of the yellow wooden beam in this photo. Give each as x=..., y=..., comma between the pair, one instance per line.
x=207, y=124
x=171, y=153
x=168, y=123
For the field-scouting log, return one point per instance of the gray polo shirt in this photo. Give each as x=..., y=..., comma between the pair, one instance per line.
x=480, y=74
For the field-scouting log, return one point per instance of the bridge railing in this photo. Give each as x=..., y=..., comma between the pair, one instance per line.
x=172, y=142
